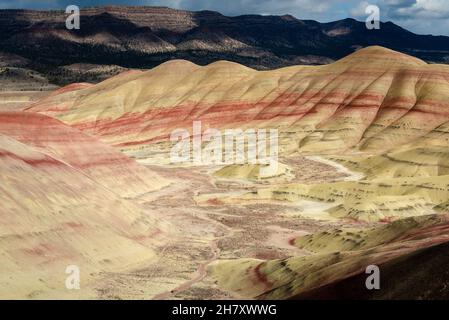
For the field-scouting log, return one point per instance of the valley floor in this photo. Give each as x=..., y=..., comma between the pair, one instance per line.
x=206, y=233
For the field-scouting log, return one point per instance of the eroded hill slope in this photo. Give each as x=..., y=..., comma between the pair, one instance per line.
x=63, y=204
x=373, y=100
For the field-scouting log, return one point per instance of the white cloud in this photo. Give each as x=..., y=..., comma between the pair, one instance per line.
x=359, y=11
x=419, y=9
x=257, y=6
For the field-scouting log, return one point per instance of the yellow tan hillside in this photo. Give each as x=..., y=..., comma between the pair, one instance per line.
x=372, y=100
x=341, y=254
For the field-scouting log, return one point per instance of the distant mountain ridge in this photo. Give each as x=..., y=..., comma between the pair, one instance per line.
x=143, y=37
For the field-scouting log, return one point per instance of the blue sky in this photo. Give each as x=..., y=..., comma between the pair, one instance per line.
x=420, y=16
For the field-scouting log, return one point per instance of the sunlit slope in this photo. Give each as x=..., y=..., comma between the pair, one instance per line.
x=18, y=100
x=374, y=99
x=254, y=173
x=100, y=162
x=346, y=239
x=424, y=161
x=340, y=255
x=54, y=215
x=378, y=119
x=388, y=186
x=388, y=199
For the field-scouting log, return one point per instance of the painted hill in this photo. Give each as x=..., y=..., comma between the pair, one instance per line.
x=98, y=161
x=316, y=275
x=373, y=100
x=363, y=175
x=62, y=204
x=378, y=112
